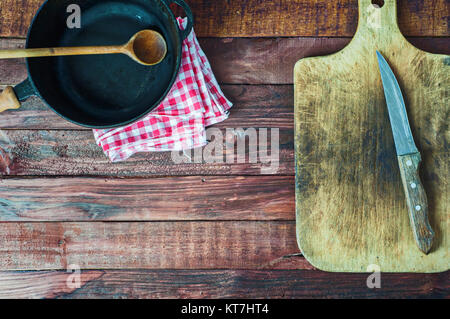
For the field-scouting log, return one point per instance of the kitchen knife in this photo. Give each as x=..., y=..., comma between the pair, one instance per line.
x=408, y=158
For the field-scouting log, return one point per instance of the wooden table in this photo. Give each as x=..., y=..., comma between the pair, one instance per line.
x=147, y=228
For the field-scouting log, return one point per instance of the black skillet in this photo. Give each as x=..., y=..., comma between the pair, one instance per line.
x=102, y=91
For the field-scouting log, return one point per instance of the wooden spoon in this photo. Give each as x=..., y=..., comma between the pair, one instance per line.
x=146, y=47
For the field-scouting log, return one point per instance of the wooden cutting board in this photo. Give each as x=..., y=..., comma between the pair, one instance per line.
x=351, y=209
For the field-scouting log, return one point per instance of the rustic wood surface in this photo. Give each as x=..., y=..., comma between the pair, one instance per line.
x=159, y=245
x=175, y=198
x=243, y=56
x=219, y=284
x=255, y=18
x=267, y=106
x=350, y=199
x=73, y=153
x=199, y=230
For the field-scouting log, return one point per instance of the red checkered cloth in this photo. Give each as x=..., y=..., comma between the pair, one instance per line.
x=194, y=102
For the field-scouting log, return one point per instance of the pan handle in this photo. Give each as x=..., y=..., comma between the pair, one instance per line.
x=190, y=24
x=10, y=97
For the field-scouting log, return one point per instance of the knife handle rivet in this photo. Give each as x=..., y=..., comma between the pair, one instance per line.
x=409, y=162
x=413, y=185
x=418, y=207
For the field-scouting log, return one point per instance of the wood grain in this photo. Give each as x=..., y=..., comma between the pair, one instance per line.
x=200, y=244
x=255, y=18
x=254, y=106
x=240, y=60
x=146, y=47
x=351, y=209
x=13, y=71
x=75, y=153
x=155, y=199
x=234, y=61
x=152, y=245
x=245, y=60
x=416, y=200
x=200, y=284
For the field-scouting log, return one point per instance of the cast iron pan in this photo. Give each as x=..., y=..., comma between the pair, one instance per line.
x=102, y=91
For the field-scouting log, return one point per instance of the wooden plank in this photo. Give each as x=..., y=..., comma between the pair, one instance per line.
x=254, y=106
x=350, y=199
x=272, y=60
x=240, y=60
x=151, y=245
x=75, y=153
x=12, y=71
x=269, y=284
x=251, y=18
x=234, y=61
x=263, y=60
x=177, y=198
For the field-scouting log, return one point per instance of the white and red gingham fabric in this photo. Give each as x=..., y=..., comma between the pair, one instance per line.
x=178, y=123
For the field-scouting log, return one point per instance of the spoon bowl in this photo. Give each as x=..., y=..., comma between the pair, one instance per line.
x=147, y=47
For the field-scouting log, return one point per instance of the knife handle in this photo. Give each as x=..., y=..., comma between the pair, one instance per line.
x=416, y=200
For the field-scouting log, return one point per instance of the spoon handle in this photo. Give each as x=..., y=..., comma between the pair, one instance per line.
x=31, y=53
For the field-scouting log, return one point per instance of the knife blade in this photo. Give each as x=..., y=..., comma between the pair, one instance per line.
x=408, y=158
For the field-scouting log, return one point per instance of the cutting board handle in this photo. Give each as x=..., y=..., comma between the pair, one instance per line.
x=379, y=20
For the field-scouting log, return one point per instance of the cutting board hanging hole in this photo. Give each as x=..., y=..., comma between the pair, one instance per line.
x=378, y=3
